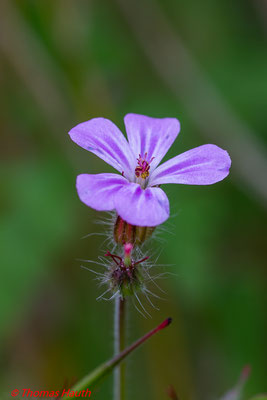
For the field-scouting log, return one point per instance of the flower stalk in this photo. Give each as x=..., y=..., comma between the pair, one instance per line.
x=90, y=380
x=119, y=345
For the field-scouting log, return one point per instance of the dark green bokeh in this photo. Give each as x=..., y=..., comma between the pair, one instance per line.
x=63, y=62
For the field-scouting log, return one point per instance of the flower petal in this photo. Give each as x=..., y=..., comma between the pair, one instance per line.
x=98, y=191
x=203, y=165
x=103, y=138
x=149, y=207
x=153, y=136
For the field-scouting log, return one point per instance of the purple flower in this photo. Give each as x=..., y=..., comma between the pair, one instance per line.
x=135, y=193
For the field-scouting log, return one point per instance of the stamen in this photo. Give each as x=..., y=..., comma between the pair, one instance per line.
x=143, y=166
x=114, y=257
x=127, y=261
x=140, y=261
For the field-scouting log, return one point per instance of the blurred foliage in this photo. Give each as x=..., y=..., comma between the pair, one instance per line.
x=66, y=61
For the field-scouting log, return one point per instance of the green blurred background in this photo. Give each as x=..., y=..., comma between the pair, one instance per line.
x=64, y=62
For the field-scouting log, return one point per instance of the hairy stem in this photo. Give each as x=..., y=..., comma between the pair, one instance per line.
x=119, y=344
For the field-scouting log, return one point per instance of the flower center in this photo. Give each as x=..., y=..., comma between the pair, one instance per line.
x=143, y=167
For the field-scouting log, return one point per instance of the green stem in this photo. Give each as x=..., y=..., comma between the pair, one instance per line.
x=119, y=345
x=90, y=380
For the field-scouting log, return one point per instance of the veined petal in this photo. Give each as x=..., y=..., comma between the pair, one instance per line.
x=153, y=136
x=98, y=191
x=142, y=207
x=103, y=138
x=203, y=165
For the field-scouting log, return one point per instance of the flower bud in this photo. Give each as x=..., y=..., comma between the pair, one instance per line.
x=128, y=247
x=127, y=233
x=125, y=275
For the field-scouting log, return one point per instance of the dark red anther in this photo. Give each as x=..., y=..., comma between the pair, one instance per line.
x=143, y=166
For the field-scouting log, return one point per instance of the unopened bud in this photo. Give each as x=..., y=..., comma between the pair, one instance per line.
x=125, y=274
x=128, y=247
